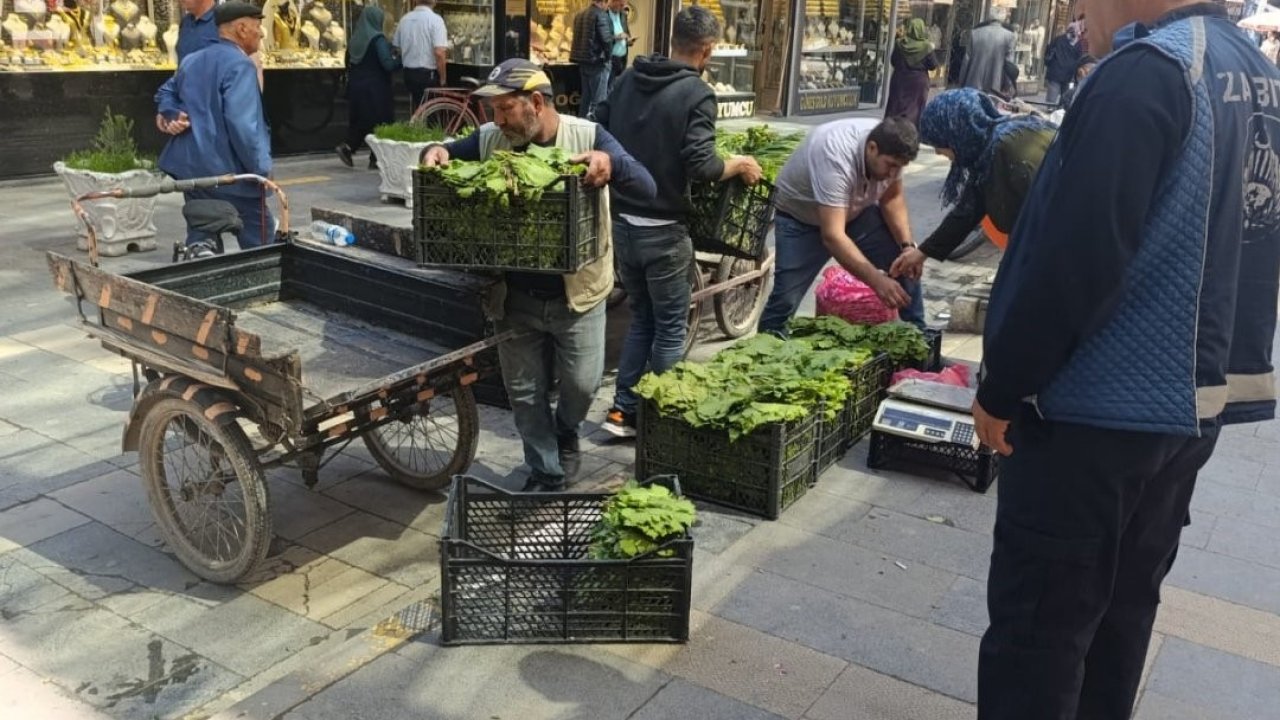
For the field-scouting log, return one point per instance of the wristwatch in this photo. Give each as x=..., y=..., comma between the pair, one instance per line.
x=909, y=246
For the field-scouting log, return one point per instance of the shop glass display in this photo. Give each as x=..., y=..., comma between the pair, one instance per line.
x=470, y=27
x=940, y=17
x=842, y=54
x=732, y=69
x=1030, y=20
x=551, y=29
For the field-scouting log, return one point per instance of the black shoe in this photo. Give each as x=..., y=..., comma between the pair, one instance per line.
x=344, y=154
x=570, y=458
x=538, y=482
x=373, y=161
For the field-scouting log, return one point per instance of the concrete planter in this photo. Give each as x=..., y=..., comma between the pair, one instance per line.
x=122, y=225
x=396, y=160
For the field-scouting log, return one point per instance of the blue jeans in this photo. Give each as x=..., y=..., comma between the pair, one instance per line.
x=595, y=87
x=560, y=346
x=653, y=263
x=259, y=225
x=801, y=256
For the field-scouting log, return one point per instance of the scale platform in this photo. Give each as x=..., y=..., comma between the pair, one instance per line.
x=928, y=412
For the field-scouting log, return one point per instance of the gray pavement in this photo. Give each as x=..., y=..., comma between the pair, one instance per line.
x=865, y=600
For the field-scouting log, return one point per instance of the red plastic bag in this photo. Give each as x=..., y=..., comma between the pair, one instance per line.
x=848, y=298
x=957, y=375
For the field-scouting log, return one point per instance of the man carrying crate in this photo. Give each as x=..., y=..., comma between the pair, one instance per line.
x=561, y=318
x=665, y=115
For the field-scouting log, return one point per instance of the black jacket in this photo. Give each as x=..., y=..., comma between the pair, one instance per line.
x=665, y=116
x=592, y=37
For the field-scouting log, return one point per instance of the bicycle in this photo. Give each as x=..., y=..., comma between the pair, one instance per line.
x=452, y=109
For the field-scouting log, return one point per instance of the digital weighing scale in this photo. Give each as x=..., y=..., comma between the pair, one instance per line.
x=928, y=412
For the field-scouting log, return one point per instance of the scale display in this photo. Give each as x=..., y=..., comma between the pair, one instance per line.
x=929, y=424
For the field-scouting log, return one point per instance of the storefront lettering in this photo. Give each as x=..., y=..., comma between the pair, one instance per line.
x=816, y=103
x=737, y=109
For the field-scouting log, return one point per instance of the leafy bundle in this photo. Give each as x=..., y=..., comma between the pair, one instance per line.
x=510, y=175
x=639, y=519
x=113, y=149
x=408, y=132
x=769, y=147
x=756, y=382
x=903, y=342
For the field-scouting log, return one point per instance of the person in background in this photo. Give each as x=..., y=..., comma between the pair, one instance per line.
x=560, y=318
x=370, y=62
x=423, y=41
x=1060, y=64
x=913, y=59
x=840, y=197
x=196, y=30
x=994, y=159
x=217, y=88
x=1083, y=70
x=665, y=116
x=622, y=40
x=990, y=47
x=1081, y=27
x=1133, y=315
x=592, y=51
x=1271, y=47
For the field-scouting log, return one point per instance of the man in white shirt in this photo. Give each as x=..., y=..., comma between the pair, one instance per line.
x=424, y=47
x=840, y=197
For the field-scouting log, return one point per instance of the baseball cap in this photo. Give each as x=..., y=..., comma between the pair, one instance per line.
x=229, y=11
x=515, y=75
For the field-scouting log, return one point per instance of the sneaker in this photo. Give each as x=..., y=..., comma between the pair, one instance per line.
x=344, y=154
x=538, y=482
x=570, y=458
x=620, y=424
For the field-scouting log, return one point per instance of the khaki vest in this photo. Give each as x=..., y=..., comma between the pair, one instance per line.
x=591, y=285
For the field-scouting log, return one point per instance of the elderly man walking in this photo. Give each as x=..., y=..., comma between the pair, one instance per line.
x=1133, y=315
x=990, y=47
x=423, y=42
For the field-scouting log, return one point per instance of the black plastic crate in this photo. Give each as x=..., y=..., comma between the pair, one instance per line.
x=762, y=473
x=933, y=363
x=514, y=569
x=977, y=468
x=557, y=233
x=731, y=218
x=870, y=385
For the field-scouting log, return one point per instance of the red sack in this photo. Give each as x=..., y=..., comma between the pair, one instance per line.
x=957, y=375
x=848, y=298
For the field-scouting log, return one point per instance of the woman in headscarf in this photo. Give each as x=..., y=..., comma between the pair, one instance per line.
x=994, y=160
x=370, y=63
x=912, y=61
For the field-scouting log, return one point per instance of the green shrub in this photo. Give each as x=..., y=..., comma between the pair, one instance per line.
x=113, y=149
x=408, y=132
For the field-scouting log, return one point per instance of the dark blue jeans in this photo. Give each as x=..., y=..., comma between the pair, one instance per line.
x=653, y=263
x=259, y=224
x=595, y=86
x=801, y=256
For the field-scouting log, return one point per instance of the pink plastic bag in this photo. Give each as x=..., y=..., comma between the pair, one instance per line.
x=848, y=298
x=957, y=375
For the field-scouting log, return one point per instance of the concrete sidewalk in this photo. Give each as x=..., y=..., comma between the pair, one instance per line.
x=866, y=600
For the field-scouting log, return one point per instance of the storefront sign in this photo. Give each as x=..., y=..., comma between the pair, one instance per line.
x=822, y=102
x=737, y=105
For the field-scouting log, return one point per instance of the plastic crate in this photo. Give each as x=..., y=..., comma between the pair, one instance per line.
x=933, y=363
x=557, y=233
x=870, y=384
x=977, y=468
x=731, y=218
x=762, y=473
x=514, y=569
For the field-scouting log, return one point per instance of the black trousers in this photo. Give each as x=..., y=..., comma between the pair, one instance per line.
x=1087, y=527
x=418, y=80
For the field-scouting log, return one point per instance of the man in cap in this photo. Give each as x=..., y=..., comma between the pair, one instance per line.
x=217, y=88
x=561, y=318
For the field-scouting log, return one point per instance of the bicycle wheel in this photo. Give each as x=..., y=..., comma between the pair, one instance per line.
x=430, y=443
x=445, y=114
x=738, y=309
x=696, y=283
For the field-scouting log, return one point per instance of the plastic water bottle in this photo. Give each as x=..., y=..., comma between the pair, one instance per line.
x=332, y=234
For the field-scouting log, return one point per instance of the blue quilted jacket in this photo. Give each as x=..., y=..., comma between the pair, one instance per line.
x=1190, y=340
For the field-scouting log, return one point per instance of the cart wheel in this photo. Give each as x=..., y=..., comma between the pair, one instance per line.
x=738, y=309
x=205, y=488
x=696, y=282
x=431, y=443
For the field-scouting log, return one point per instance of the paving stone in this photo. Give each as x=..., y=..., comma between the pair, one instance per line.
x=384, y=548
x=311, y=585
x=508, y=683
x=1219, y=624
x=964, y=607
x=890, y=642
x=1232, y=469
x=823, y=513
x=1246, y=541
x=1234, y=503
x=373, y=608
x=955, y=507
x=958, y=551
x=23, y=589
x=863, y=694
x=32, y=464
x=120, y=668
x=1269, y=483
x=850, y=479
x=245, y=634
x=1239, y=581
x=718, y=528
x=94, y=561
x=35, y=521
x=1155, y=706
x=117, y=500
x=1231, y=685
x=297, y=510
x=379, y=495
x=1197, y=534
x=352, y=461
x=680, y=699
x=848, y=570
x=24, y=694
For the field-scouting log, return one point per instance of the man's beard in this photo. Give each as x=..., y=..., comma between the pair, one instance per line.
x=522, y=136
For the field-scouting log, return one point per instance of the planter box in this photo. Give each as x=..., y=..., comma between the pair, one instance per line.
x=122, y=225
x=396, y=161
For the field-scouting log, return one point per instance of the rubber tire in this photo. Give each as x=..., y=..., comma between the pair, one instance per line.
x=239, y=452
x=696, y=283
x=448, y=112
x=464, y=452
x=724, y=273
x=975, y=240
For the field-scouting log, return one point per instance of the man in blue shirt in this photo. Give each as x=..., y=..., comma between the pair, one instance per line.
x=622, y=40
x=197, y=30
x=217, y=88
